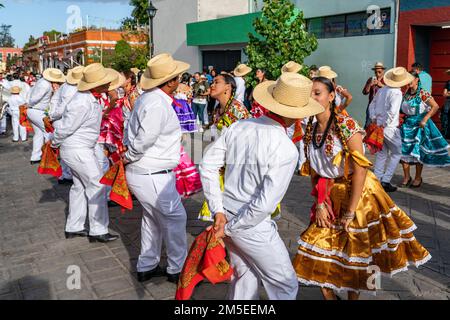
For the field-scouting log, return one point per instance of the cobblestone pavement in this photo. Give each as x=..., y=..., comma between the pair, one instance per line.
x=35, y=256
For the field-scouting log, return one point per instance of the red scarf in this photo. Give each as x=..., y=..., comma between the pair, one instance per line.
x=102, y=99
x=298, y=132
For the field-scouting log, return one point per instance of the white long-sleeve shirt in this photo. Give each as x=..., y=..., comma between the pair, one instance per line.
x=6, y=87
x=14, y=102
x=154, y=134
x=24, y=88
x=260, y=161
x=60, y=100
x=385, y=107
x=40, y=95
x=240, y=89
x=80, y=123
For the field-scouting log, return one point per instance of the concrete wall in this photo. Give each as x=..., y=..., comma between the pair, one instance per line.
x=215, y=9
x=351, y=57
x=170, y=30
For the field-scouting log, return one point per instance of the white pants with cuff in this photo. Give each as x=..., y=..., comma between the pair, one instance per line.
x=259, y=255
x=389, y=157
x=164, y=219
x=87, y=195
x=40, y=136
x=3, y=125
x=19, y=132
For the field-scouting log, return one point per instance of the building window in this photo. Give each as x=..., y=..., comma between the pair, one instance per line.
x=1, y=56
x=348, y=25
x=8, y=55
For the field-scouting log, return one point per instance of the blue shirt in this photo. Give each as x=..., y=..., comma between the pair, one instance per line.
x=210, y=78
x=426, y=81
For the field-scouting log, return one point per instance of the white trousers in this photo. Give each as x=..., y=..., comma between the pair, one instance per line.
x=164, y=219
x=66, y=172
x=103, y=162
x=3, y=124
x=87, y=195
x=40, y=136
x=388, y=158
x=259, y=255
x=19, y=132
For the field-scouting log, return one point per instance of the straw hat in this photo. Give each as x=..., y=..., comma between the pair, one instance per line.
x=15, y=89
x=118, y=82
x=378, y=65
x=95, y=75
x=54, y=75
x=74, y=75
x=289, y=96
x=135, y=70
x=398, y=77
x=161, y=68
x=291, y=66
x=242, y=70
x=327, y=72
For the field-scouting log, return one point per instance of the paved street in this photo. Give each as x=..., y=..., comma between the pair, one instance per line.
x=34, y=256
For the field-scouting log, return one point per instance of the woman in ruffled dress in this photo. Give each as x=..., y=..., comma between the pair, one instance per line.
x=422, y=142
x=228, y=111
x=182, y=105
x=355, y=226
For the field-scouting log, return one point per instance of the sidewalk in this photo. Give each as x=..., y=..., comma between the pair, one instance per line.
x=35, y=256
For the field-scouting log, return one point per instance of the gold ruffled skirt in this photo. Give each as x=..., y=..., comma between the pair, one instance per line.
x=380, y=242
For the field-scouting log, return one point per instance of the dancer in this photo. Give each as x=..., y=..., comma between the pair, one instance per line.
x=343, y=96
x=259, y=153
x=14, y=102
x=355, y=226
x=422, y=143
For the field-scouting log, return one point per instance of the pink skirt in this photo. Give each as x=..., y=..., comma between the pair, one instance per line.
x=188, y=179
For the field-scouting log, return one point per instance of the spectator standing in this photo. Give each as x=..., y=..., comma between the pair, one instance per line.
x=372, y=86
x=200, y=101
x=425, y=78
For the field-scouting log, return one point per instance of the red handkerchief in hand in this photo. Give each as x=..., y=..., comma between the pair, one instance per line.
x=206, y=259
x=120, y=193
x=49, y=161
x=374, y=138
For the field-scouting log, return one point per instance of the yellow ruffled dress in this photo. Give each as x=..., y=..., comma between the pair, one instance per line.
x=380, y=241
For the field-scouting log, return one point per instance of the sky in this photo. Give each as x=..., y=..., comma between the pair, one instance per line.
x=33, y=17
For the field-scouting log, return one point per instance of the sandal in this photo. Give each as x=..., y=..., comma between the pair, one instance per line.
x=416, y=185
x=407, y=184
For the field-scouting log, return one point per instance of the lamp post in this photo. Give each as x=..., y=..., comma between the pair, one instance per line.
x=151, y=14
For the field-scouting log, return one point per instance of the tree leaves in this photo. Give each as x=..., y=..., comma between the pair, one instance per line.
x=281, y=37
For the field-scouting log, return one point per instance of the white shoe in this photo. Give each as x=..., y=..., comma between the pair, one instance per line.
x=201, y=129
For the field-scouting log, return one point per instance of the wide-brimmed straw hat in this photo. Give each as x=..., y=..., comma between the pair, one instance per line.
x=397, y=77
x=378, y=65
x=289, y=96
x=74, y=75
x=327, y=72
x=291, y=66
x=242, y=70
x=54, y=75
x=95, y=75
x=160, y=69
x=118, y=82
x=135, y=70
x=15, y=89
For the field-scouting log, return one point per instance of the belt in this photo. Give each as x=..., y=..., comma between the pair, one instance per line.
x=162, y=172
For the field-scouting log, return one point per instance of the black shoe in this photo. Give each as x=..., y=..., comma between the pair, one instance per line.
x=65, y=181
x=147, y=275
x=173, y=277
x=103, y=238
x=70, y=235
x=416, y=185
x=388, y=187
x=35, y=161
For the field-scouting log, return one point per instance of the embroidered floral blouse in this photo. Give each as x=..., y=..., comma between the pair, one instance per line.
x=321, y=160
x=234, y=112
x=410, y=103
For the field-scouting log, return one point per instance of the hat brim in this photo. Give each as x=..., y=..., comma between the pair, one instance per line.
x=330, y=75
x=375, y=68
x=122, y=81
x=397, y=84
x=263, y=95
x=243, y=73
x=148, y=83
x=84, y=86
x=48, y=77
x=297, y=67
x=71, y=80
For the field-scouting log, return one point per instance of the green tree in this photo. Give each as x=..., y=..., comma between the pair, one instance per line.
x=281, y=36
x=124, y=57
x=52, y=34
x=139, y=12
x=6, y=40
x=31, y=42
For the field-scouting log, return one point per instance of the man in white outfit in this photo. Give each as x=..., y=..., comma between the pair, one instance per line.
x=239, y=72
x=154, y=143
x=259, y=160
x=14, y=102
x=384, y=110
x=5, y=87
x=24, y=87
x=58, y=106
x=38, y=104
x=76, y=137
